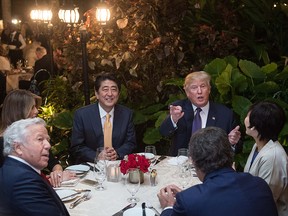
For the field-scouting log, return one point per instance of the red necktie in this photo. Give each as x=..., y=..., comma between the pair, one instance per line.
x=45, y=178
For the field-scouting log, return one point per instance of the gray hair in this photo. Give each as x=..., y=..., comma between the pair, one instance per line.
x=210, y=149
x=17, y=133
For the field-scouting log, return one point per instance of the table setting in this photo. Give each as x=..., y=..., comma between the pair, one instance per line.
x=119, y=196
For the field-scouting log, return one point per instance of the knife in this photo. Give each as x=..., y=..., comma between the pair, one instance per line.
x=120, y=213
x=160, y=159
x=143, y=209
x=70, y=195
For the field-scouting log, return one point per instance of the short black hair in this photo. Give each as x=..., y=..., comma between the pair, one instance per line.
x=106, y=76
x=268, y=118
x=210, y=149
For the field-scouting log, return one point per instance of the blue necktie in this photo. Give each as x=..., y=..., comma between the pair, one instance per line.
x=197, y=122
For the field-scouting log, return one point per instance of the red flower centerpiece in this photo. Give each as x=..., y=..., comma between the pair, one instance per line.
x=134, y=161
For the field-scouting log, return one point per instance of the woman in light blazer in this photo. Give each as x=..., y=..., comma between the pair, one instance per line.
x=268, y=158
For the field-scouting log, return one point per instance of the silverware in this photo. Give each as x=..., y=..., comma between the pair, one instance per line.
x=69, y=196
x=81, y=190
x=160, y=159
x=85, y=197
x=148, y=205
x=119, y=213
x=143, y=209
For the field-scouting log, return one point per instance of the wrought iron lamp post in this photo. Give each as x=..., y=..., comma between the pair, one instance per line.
x=102, y=17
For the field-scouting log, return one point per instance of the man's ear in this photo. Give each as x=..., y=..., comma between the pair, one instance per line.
x=18, y=148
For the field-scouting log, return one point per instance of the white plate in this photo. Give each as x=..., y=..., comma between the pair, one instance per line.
x=137, y=211
x=149, y=156
x=78, y=168
x=62, y=193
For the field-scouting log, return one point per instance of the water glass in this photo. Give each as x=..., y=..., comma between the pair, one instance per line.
x=100, y=168
x=132, y=183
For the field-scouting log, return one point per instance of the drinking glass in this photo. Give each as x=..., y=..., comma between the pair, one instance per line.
x=181, y=159
x=185, y=176
x=100, y=168
x=151, y=149
x=132, y=183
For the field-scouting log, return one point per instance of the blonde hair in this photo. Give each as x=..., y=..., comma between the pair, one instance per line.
x=17, y=105
x=197, y=75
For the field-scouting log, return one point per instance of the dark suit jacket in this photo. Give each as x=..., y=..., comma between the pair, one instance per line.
x=225, y=192
x=25, y=193
x=218, y=116
x=87, y=133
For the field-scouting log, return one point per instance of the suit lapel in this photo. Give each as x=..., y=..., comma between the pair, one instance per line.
x=96, y=122
x=189, y=115
x=212, y=115
x=117, y=122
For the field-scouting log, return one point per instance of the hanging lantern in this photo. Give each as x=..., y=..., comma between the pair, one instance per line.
x=39, y=14
x=69, y=15
x=102, y=13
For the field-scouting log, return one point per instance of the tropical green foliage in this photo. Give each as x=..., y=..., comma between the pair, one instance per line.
x=152, y=44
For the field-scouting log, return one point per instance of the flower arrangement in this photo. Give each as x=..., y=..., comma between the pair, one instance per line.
x=134, y=161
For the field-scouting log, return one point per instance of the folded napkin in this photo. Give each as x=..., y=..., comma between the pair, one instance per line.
x=70, y=183
x=177, y=160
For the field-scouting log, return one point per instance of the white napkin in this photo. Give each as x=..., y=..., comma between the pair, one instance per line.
x=70, y=183
x=177, y=160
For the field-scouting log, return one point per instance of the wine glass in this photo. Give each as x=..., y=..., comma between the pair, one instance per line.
x=100, y=168
x=132, y=183
x=151, y=149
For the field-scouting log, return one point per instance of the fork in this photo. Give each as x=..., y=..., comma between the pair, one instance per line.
x=87, y=195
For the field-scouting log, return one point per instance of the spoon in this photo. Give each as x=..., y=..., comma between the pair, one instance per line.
x=143, y=209
x=148, y=205
x=85, y=197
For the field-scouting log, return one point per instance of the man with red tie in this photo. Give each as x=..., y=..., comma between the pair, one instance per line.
x=196, y=112
x=23, y=190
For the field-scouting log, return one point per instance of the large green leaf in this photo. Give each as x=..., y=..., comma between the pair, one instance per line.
x=267, y=87
x=215, y=67
x=240, y=104
x=269, y=68
x=151, y=136
x=238, y=81
x=161, y=118
x=251, y=70
x=63, y=120
x=223, y=82
x=232, y=60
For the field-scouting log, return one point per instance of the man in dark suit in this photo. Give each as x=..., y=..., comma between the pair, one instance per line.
x=179, y=123
x=24, y=192
x=88, y=124
x=224, y=191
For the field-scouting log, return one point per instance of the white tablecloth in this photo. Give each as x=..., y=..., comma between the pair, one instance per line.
x=12, y=80
x=114, y=198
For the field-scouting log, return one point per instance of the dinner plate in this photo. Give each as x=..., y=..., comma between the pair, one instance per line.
x=149, y=156
x=138, y=211
x=66, y=195
x=79, y=169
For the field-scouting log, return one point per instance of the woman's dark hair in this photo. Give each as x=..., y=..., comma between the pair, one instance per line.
x=210, y=149
x=105, y=76
x=268, y=118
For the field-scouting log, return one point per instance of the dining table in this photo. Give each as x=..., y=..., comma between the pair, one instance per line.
x=114, y=197
x=14, y=76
